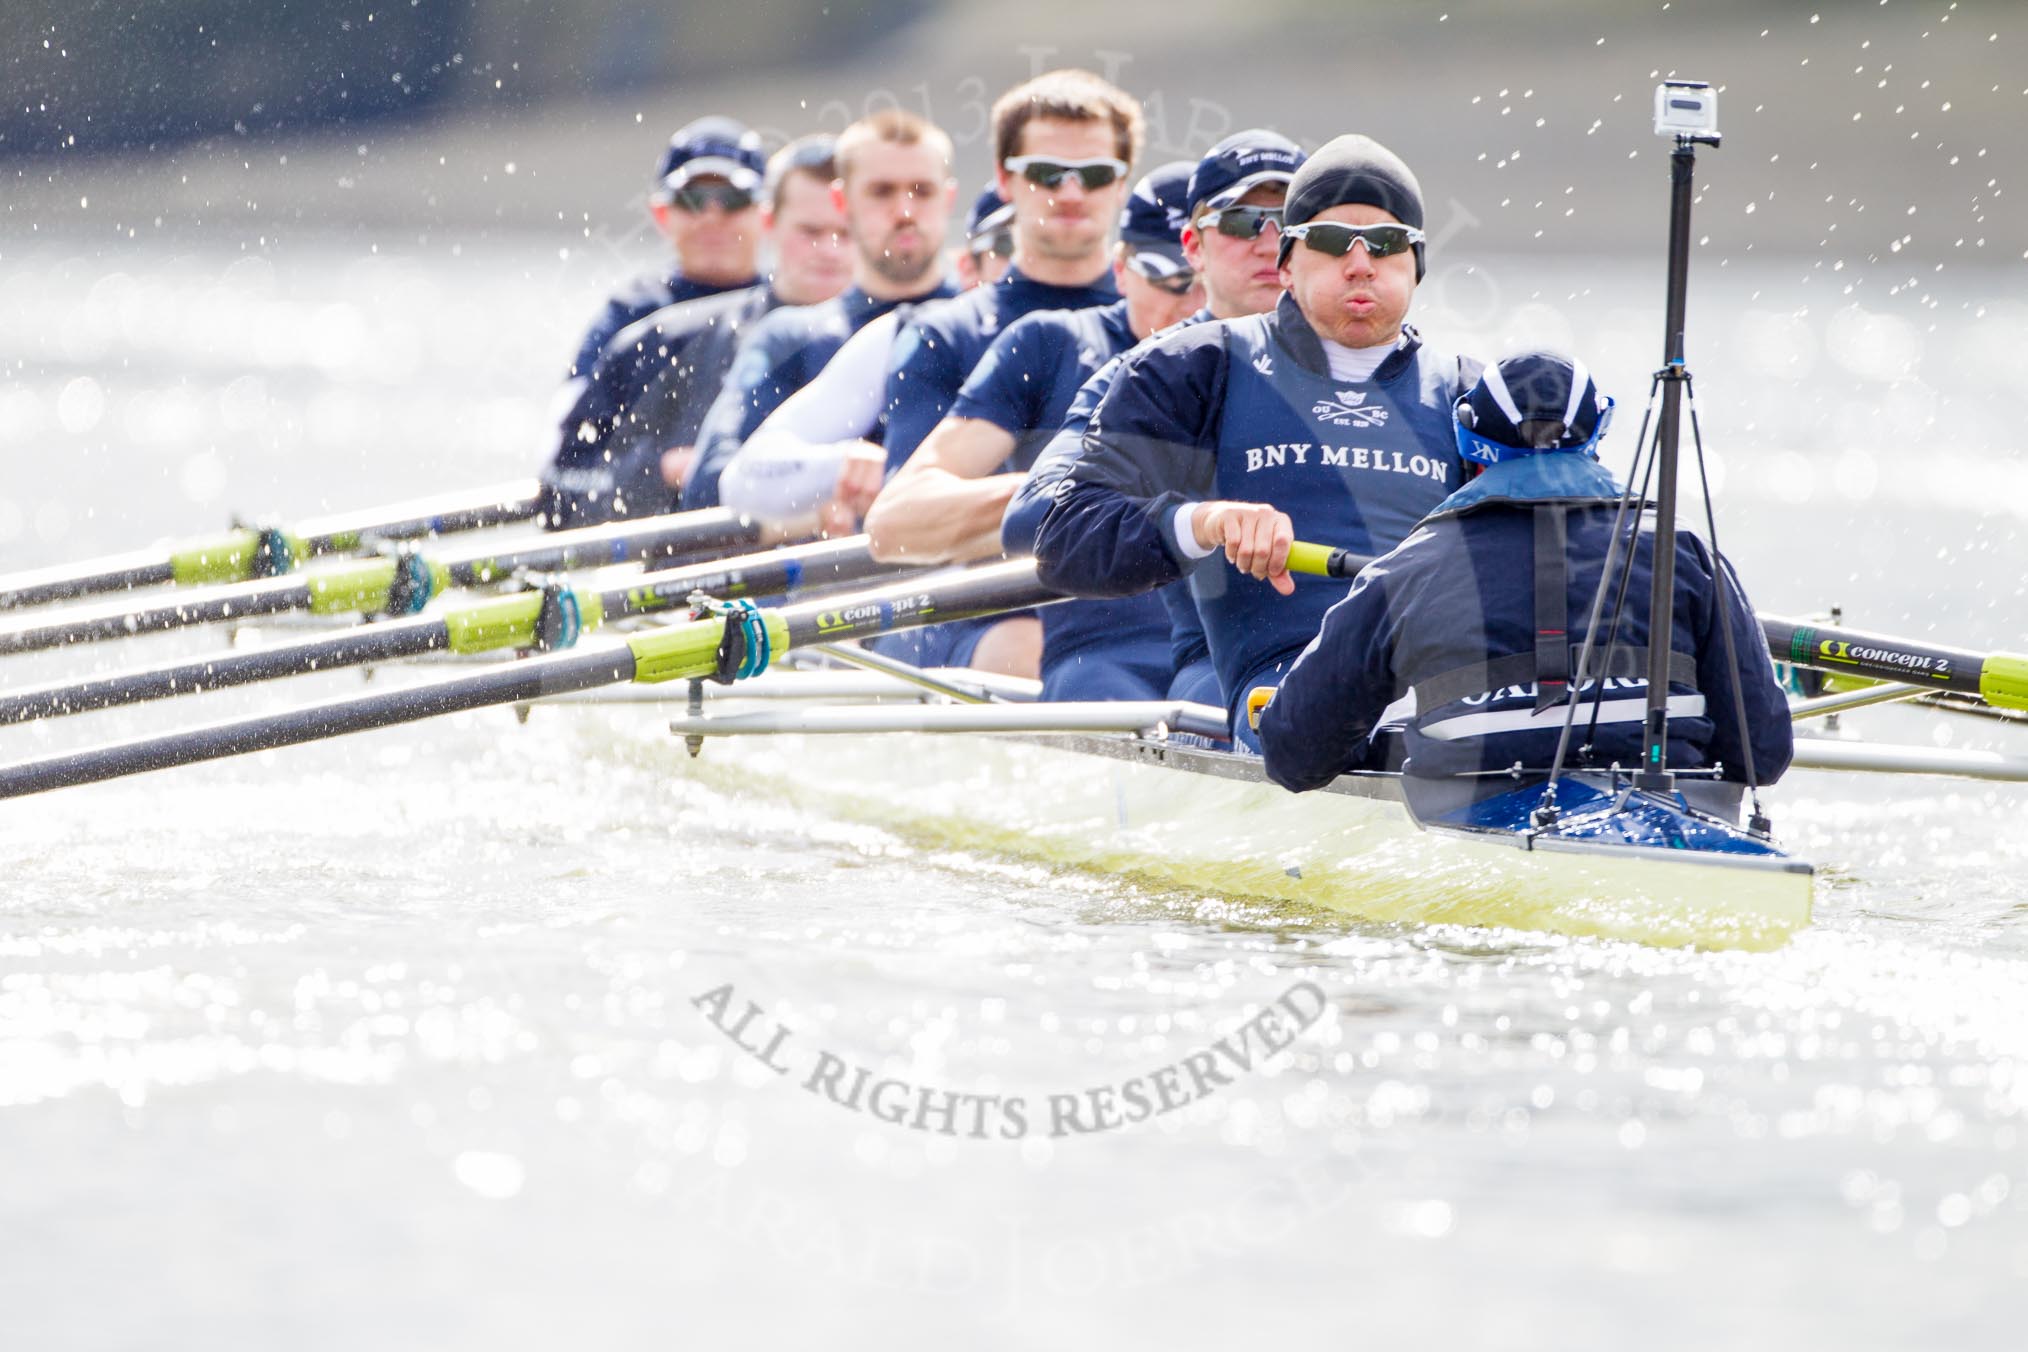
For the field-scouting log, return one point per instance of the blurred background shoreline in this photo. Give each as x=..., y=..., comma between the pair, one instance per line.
x=1528, y=120
x=329, y=306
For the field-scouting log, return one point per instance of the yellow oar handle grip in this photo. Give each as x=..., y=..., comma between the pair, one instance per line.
x=1257, y=699
x=1324, y=561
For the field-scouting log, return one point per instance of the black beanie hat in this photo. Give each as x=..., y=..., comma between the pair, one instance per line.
x=1349, y=170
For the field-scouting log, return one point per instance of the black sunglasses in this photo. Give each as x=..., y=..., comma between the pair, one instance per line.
x=1335, y=238
x=1241, y=222
x=695, y=197
x=1045, y=172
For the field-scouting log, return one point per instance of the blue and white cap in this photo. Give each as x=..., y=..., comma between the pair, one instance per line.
x=1240, y=163
x=1530, y=403
x=1152, y=221
x=990, y=212
x=711, y=147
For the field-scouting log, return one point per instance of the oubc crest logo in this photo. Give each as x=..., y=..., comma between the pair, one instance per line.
x=1349, y=409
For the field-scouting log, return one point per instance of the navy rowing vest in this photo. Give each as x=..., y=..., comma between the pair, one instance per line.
x=1354, y=464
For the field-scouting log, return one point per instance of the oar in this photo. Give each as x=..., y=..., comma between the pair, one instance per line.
x=396, y=584
x=2001, y=679
x=544, y=618
x=677, y=651
x=246, y=553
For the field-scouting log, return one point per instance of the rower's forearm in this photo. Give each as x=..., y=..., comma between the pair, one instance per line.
x=933, y=516
x=1097, y=541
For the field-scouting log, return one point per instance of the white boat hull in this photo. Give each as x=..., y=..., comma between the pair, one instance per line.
x=1210, y=822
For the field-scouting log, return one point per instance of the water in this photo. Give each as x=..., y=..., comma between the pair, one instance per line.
x=404, y=1041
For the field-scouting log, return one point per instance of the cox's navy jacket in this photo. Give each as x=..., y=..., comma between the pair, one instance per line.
x=1451, y=615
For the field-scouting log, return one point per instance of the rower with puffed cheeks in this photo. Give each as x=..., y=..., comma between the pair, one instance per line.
x=783, y=468
x=629, y=436
x=895, y=189
x=1233, y=209
x=1482, y=614
x=1328, y=418
x=703, y=202
x=946, y=503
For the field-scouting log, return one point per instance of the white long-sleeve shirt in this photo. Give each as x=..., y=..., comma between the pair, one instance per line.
x=789, y=466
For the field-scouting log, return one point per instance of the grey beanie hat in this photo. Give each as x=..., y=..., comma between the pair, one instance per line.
x=1354, y=169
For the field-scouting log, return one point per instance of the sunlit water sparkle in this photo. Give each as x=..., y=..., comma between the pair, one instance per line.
x=394, y=1041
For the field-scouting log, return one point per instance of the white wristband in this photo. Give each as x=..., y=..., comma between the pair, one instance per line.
x=1186, y=533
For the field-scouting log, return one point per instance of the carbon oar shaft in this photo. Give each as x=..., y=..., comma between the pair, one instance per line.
x=396, y=584
x=243, y=554
x=554, y=674
x=2001, y=679
x=678, y=651
x=482, y=626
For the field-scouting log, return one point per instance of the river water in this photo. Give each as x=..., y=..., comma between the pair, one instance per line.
x=437, y=1037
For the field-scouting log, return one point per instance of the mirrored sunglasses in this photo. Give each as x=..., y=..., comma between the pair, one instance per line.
x=1045, y=172
x=1241, y=222
x=1335, y=238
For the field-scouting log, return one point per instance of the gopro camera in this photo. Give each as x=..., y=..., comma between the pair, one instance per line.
x=1687, y=108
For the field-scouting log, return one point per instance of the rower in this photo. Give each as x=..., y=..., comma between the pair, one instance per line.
x=1063, y=143
x=895, y=189
x=703, y=203
x=627, y=439
x=1327, y=415
x=945, y=505
x=1482, y=614
x=989, y=240
x=1233, y=212
x=793, y=471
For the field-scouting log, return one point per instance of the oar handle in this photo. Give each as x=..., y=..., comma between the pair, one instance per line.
x=1324, y=561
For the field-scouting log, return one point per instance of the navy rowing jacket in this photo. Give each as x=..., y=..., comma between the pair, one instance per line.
x=647, y=393
x=635, y=301
x=1451, y=615
x=1246, y=409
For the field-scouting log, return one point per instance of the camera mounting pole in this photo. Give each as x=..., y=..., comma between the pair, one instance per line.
x=1689, y=112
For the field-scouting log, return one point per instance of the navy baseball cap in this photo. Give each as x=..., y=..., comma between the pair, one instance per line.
x=990, y=212
x=1529, y=403
x=1240, y=163
x=711, y=147
x=1156, y=211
